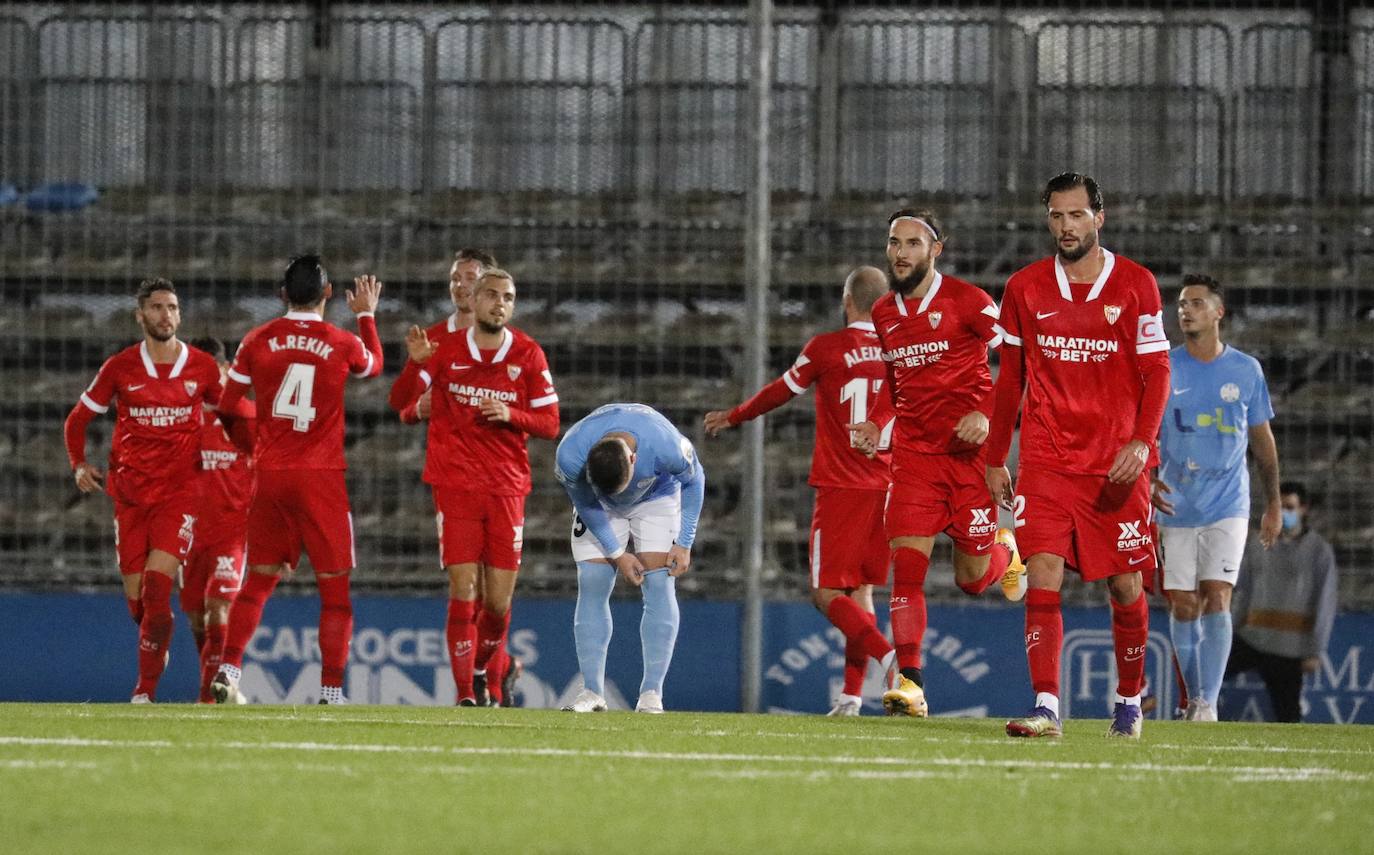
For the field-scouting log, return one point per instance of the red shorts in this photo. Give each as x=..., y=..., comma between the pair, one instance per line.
x=295, y=508
x=1099, y=528
x=848, y=547
x=212, y=571
x=479, y=528
x=168, y=526
x=932, y=493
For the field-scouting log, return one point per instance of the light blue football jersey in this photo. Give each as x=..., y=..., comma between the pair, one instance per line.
x=1206, y=430
x=665, y=462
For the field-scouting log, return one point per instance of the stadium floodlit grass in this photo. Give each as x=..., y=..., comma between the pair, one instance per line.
x=102, y=778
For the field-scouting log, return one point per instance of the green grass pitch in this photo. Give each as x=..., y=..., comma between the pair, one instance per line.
x=105, y=778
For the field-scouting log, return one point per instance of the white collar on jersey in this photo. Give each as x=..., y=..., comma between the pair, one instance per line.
x=1108, y=262
x=863, y=325
x=501, y=352
x=453, y=323
x=925, y=301
x=304, y=316
x=176, y=366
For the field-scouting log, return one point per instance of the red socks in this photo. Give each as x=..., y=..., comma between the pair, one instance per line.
x=336, y=628
x=1044, y=639
x=1130, y=631
x=246, y=614
x=908, y=604
x=135, y=609
x=154, y=631
x=491, y=636
x=211, y=655
x=461, y=634
x=497, y=668
x=999, y=556
x=858, y=627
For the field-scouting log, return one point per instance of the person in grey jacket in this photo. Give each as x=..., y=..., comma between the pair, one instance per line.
x=1284, y=606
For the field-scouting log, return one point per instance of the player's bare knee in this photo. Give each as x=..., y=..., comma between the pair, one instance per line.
x=1216, y=597
x=1126, y=588
x=970, y=568
x=216, y=611
x=1045, y=571
x=1184, y=605
x=821, y=598
x=196, y=621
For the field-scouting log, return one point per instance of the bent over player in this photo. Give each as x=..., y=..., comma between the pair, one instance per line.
x=848, y=548
x=630, y=474
x=1083, y=339
x=297, y=366
x=159, y=386
x=491, y=390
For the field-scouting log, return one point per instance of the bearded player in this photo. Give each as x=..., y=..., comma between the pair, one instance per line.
x=159, y=387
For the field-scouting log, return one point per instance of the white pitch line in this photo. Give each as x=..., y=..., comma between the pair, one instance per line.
x=47, y=764
x=1278, y=772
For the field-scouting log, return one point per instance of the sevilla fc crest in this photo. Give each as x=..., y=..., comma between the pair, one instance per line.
x=513, y=371
x=1112, y=313
x=190, y=386
x=935, y=319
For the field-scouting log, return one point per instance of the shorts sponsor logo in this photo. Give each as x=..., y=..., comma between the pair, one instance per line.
x=982, y=522
x=1137, y=559
x=188, y=527
x=1130, y=538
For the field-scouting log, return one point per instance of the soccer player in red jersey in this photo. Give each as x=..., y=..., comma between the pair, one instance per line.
x=297, y=366
x=159, y=385
x=847, y=546
x=494, y=391
x=935, y=332
x=214, y=567
x=1083, y=339
x=494, y=685
x=468, y=265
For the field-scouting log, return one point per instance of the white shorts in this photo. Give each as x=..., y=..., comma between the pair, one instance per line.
x=653, y=525
x=1206, y=553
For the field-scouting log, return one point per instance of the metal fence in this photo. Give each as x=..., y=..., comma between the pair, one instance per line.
x=603, y=154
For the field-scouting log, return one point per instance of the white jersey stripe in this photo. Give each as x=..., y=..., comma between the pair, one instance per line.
x=86, y=399
x=543, y=402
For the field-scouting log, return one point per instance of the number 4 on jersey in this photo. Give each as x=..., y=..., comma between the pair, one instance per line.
x=294, y=396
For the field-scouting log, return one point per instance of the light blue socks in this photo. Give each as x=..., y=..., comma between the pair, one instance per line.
x=1187, y=636
x=592, y=622
x=1213, y=651
x=657, y=628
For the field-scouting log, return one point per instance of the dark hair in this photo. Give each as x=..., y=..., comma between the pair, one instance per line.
x=1207, y=282
x=304, y=280
x=212, y=346
x=925, y=216
x=607, y=465
x=1297, y=488
x=1068, y=181
x=481, y=256
x=147, y=287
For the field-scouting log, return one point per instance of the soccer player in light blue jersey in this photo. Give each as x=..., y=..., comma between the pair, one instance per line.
x=630, y=474
x=1218, y=407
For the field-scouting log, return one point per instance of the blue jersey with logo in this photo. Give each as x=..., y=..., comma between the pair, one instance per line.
x=1206, y=430
x=665, y=462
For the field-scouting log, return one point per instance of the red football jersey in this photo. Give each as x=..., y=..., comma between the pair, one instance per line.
x=937, y=351
x=1081, y=344
x=298, y=365
x=226, y=473
x=847, y=370
x=156, y=447
x=466, y=449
